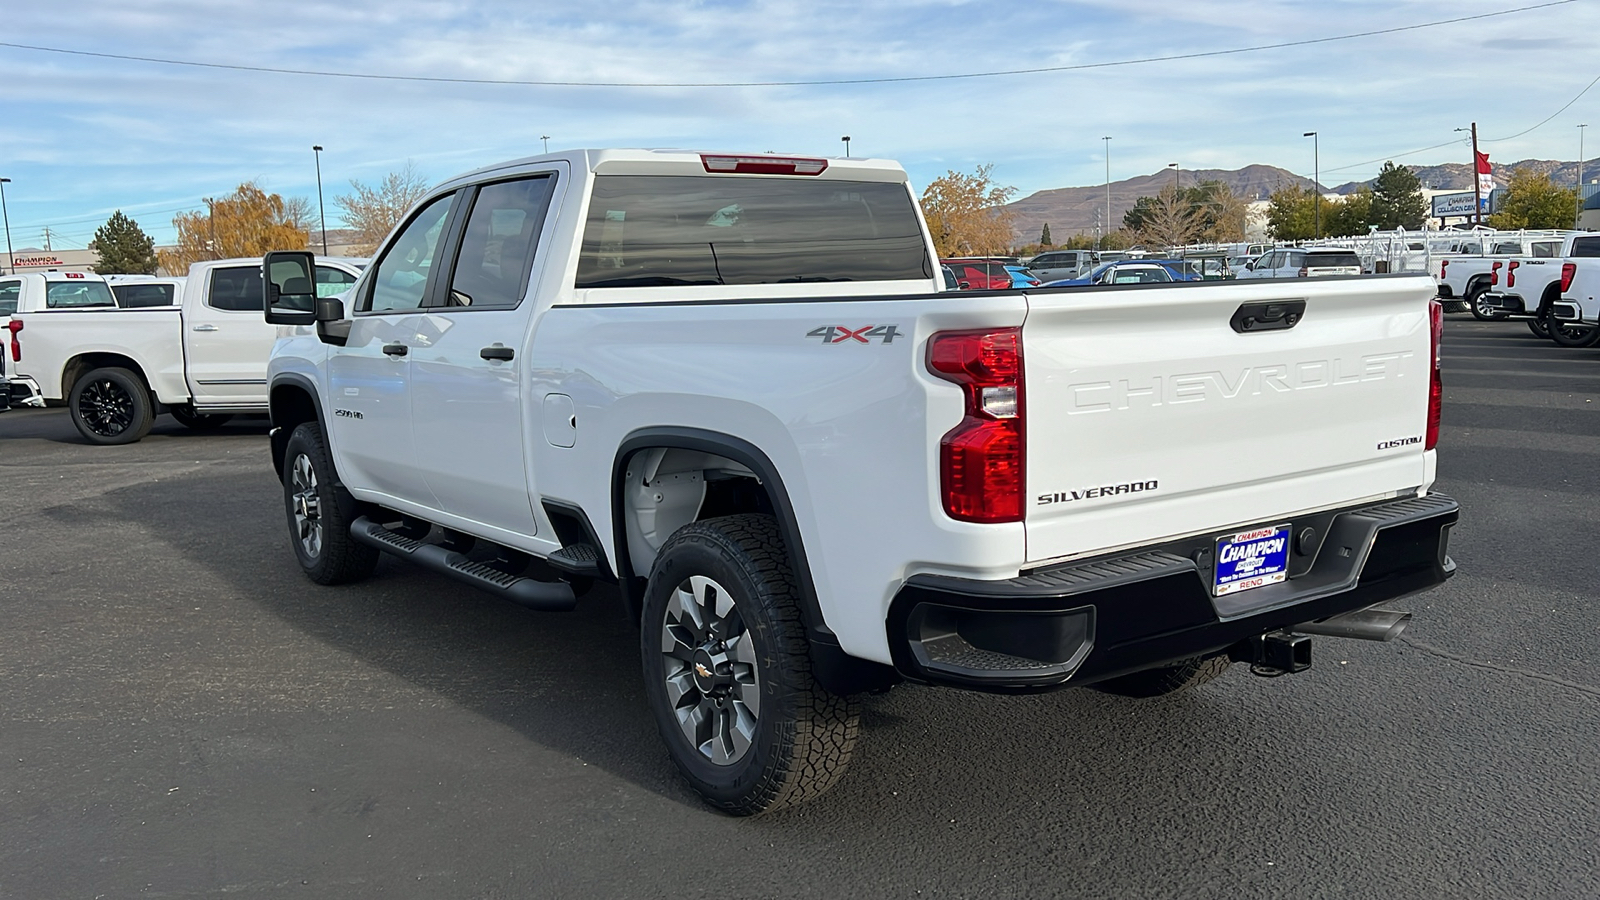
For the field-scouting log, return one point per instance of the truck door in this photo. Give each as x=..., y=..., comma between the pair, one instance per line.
x=469, y=364
x=226, y=341
x=369, y=405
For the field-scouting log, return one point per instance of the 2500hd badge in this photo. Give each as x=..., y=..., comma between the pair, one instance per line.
x=1108, y=490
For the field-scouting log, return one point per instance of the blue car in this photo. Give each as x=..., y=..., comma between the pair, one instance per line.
x=1021, y=277
x=1124, y=271
x=1181, y=269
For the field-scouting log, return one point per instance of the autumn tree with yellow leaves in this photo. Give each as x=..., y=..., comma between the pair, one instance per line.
x=248, y=222
x=967, y=214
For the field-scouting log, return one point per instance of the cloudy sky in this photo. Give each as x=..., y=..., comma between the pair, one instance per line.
x=84, y=135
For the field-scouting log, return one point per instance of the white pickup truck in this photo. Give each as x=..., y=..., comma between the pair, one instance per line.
x=34, y=291
x=1526, y=286
x=1471, y=278
x=735, y=386
x=204, y=360
x=1577, y=311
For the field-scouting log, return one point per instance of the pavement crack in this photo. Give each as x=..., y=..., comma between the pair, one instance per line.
x=1442, y=653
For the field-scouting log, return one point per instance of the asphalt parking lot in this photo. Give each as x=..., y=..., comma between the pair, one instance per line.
x=184, y=714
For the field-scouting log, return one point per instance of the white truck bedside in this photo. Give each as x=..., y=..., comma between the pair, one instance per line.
x=733, y=385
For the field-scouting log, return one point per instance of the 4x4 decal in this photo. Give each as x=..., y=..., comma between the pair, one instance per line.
x=838, y=334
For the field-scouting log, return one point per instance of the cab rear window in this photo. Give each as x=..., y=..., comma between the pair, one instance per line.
x=654, y=230
x=139, y=294
x=75, y=294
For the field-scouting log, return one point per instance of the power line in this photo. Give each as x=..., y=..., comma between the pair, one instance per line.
x=1546, y=118
x=85, y=221
x=816, y=83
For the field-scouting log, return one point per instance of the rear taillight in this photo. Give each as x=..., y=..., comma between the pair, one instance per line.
x=1444, y=265
x=1511, y=273
x=1494, y=273
x=1567, y=271
x=763, y=165
x=981, y=461
x=1435, y=385
x=15, y=326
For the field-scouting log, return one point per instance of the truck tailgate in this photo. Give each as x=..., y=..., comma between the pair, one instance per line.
x=1150, y=416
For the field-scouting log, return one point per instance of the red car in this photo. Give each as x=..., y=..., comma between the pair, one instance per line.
x=980, y=274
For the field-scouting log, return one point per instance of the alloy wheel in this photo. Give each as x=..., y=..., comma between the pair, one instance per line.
x=710, y=670
x=306, y=505
x=106, y=408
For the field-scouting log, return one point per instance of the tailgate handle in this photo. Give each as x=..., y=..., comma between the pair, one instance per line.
x=1272, y=315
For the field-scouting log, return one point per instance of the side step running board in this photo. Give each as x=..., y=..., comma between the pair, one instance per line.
x=550, y=596
x=576, y=559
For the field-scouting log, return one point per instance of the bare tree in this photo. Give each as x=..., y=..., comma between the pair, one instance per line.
x=372, y=212
x=1170, y=221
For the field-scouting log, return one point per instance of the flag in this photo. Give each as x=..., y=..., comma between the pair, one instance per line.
x=1485, y=178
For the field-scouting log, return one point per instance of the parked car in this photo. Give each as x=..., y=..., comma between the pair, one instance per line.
x=1181, y=269
x=951, y=283
x=1126, y=271
x=980, y=274
x=810, y=479
x=1058, y=264
x=1303, y=262
x=1021, y=277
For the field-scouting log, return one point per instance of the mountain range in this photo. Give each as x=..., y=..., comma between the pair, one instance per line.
x=1074, y=210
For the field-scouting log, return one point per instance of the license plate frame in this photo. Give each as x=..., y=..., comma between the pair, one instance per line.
x=1242, y=567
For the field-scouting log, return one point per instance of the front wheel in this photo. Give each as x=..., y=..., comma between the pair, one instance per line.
x=318, y=527
x=1574, y=334
x=111, y=406
x=188, y=418
x=728, y=672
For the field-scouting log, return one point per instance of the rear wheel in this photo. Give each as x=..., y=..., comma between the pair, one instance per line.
x=1163, y=680
x=1539, y=326
x=111, y=406
x=1481, y=310
x=318, y=526
x=1574, y=334
x=728, y=670
x=188, y=418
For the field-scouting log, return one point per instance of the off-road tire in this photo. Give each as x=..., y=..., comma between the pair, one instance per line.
x=336, y=557
x=111, y=406
x=803, y=735
x=1163, y=680
x=188, y=418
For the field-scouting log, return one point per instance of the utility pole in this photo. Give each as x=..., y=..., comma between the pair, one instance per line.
x=846, y=140
x=11, y=257
x=1108, y=183
x=316, y=150
x=1477, y=183
x=1316, y=183
x=1580, y=175
x=211, y=221
x=47, y=246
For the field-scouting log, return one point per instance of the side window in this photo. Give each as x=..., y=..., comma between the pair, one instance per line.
x=1586, y=246
x=236, y=289
x=9, y=292
x=497, y=247
x=400, y=278
x=331, y=281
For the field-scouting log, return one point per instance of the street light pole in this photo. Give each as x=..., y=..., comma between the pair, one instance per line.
x=846, y=140
x=1316, y=183
x=546, y=139
x=11, y=257
x=321, y=214
x=1108, y=184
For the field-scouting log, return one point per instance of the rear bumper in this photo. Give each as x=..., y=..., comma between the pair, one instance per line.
x=24, y=391
x=1568, y=309
x=1506, y=303
x=1086, y=621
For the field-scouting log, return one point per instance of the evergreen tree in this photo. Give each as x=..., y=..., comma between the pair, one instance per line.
x=1044, y=235
x=1397, y=199
x=123, y=247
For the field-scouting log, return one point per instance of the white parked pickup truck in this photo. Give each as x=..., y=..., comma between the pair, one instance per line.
x=735, y=386
x=35, y=291
x=1576, y=313
x=204, y=360
x=1526, y=286
x=1472, y=278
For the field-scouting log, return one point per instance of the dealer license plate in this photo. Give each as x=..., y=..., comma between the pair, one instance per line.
x=1251, y=559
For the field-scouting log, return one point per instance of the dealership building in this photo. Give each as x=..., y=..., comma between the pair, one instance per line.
x=32, y=259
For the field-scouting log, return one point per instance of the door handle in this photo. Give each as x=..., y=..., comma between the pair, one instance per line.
x=503, y=353
x=205, y=328
x=396, y=349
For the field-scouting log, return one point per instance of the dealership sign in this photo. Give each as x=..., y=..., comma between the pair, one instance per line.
x=23, y=262
x=1453, y=205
